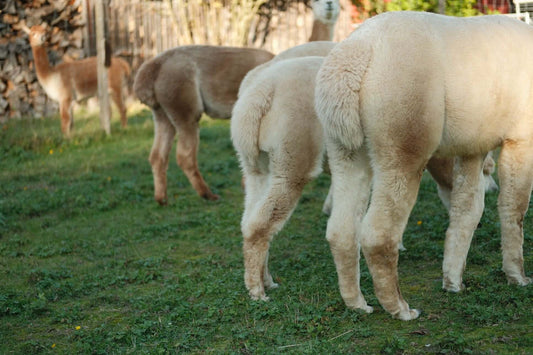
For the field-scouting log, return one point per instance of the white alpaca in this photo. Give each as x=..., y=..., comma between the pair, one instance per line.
x=406, y=86
x=279, y=141
x=182, y=83
x=326, y=14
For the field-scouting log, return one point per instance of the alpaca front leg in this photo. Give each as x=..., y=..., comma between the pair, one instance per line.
x=516, y=178
x=466, y=208
x=350, y=191
x=164, y=133
x=267, y=277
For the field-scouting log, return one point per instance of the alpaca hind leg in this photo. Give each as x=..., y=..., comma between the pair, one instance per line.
x=259, y=225
x=164, y=133
x=516, y=177
x=117, y=97
x=466, y=208
x=350, y=190
x=393, y=196
x=187, y=158
x=65, y=111
x=256, y=187
x=179, y=95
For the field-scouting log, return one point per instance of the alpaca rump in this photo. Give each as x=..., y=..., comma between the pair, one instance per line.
x=279, y=142
x=68, y=82
x=406, y=86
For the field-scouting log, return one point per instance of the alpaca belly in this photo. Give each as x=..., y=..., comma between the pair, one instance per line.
x=86, y=88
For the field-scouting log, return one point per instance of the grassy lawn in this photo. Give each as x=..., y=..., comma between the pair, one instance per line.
x=89, y=263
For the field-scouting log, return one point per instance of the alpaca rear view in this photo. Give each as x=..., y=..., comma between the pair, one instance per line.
x=179, y=85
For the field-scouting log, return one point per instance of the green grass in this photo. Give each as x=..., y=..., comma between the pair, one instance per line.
x=89, y=263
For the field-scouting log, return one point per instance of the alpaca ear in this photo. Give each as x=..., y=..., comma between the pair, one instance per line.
x=24, y=27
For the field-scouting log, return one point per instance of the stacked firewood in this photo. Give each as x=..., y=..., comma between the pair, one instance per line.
x=21, y=95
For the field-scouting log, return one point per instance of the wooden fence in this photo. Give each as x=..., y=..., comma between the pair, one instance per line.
x=141, y=29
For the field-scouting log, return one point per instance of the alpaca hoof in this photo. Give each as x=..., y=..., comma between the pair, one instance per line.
x=162, y=201
x=211, y=196
x=359, y=304
x=366, y=308
x=258, y=294
x=409, y=314
x=520, y=281
x=271, y=285
x=450, y=286
x=263, y=298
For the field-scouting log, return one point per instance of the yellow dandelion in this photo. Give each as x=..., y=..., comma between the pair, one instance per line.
x=25, y=188
x=419, y=222
x=109, y=178
x=53, y=346
x=78, y=327
x=51, y=151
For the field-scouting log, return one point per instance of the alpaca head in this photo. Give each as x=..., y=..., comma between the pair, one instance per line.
x=326, y=11
x=38, y=35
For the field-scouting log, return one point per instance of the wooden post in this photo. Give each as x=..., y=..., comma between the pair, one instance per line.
x=87, y=28
x=442, y=7
x=103, y=94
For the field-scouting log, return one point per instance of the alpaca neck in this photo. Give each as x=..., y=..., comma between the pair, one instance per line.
x=321, y=31
x=42, y=65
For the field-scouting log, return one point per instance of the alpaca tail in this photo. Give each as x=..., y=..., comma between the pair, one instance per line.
x=143, y=85
x=337, y=92
x=253, y=104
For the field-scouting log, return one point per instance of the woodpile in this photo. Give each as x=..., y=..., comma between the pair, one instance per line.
x=21, y=95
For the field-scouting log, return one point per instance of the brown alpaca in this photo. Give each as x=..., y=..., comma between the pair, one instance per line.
x=70, y=81
x=182, y=83
x=179, y=85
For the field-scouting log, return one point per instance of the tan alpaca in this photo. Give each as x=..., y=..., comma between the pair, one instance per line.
x=70, y=81
x=182, y=83
x=406, y=86
x=279, y=142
